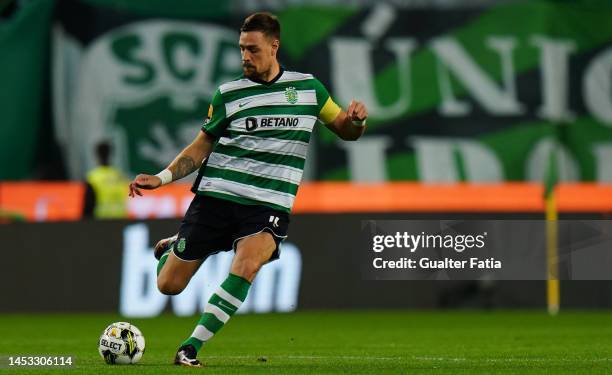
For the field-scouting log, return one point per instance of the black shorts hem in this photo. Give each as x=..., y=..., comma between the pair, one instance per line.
x=190, y=260
x=278, y=239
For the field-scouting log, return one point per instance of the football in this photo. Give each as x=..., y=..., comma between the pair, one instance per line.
x=121, y=343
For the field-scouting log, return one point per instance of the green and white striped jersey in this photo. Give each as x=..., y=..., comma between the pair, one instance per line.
x=263, y=130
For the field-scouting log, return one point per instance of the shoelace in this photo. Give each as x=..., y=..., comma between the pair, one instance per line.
x=183, y=357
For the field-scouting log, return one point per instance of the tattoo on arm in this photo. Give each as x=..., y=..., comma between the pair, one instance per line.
x=184, y=166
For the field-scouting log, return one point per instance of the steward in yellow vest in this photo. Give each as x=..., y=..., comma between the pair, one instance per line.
x=108, y=187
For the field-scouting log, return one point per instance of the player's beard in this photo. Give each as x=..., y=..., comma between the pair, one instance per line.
x=250, y=71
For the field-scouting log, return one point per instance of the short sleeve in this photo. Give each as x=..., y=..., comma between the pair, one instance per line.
x=327, y=109
x=216, y=121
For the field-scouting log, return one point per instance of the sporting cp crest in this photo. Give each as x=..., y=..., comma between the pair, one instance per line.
x=180, y=247
x=291, y=95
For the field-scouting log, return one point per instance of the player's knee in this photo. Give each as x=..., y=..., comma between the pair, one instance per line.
x=168, y=286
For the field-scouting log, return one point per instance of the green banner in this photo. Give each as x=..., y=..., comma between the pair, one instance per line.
x=24, y=58
x=476, y=95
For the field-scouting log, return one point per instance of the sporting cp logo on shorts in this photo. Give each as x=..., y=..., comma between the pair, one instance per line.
x=180, y=245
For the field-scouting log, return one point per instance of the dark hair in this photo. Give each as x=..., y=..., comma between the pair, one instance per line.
x=265, y=22
x=103, y=152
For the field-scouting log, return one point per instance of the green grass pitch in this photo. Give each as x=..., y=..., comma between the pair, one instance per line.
x=363, y=342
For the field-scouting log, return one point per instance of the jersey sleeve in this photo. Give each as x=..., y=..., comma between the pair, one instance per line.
x=216, y=122
x=327, y=109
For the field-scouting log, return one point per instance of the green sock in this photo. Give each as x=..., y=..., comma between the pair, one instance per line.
x=162, y=261
x=220, y=307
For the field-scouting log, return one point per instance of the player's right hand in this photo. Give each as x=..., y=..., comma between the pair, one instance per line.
x=144, y=181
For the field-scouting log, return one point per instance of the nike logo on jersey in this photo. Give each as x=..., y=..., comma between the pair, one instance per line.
x=243, y=104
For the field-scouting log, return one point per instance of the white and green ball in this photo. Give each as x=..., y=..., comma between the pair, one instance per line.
x=121, y=343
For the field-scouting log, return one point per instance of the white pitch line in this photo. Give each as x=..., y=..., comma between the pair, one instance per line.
x=439, y=359
x=306, y=357
x=343, y=357
x=509, y=359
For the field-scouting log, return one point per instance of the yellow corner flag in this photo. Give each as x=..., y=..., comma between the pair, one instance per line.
x=553, y=292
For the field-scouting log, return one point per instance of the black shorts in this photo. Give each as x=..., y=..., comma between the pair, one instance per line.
x=212, y=225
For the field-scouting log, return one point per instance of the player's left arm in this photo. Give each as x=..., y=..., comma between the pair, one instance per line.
x=349, y=125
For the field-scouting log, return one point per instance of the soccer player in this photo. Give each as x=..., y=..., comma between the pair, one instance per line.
x=250, y=155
